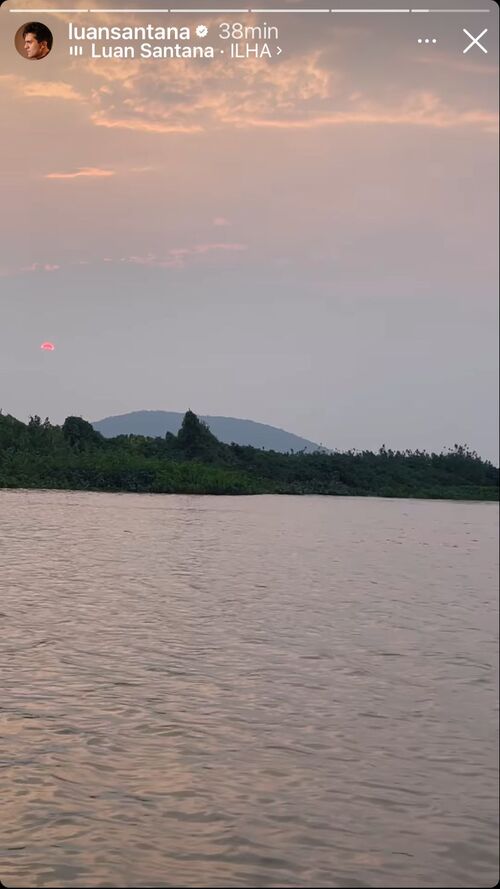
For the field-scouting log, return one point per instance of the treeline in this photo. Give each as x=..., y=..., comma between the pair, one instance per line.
x=75, y=456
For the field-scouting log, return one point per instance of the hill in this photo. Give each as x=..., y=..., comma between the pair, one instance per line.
x=225, y=429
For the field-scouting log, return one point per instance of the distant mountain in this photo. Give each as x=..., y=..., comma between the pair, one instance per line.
x=226, y=429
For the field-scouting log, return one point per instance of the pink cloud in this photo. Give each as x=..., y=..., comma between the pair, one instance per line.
x=220, y=220
x=40, y=267
x=178, y=257
x=207, y=248
x=175, y=258
x=154, y=261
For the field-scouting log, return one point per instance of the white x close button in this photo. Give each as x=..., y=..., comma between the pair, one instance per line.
x=475, y=40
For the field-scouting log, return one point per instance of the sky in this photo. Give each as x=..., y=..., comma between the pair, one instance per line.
x=308, y=241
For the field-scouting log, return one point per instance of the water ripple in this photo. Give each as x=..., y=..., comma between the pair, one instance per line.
x=275, y=692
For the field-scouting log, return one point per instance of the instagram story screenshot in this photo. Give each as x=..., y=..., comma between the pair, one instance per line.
x=249, y=462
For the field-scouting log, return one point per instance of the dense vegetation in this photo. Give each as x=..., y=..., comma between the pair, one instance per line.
x=75, y=456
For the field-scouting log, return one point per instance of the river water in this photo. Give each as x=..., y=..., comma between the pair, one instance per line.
x=252, y=691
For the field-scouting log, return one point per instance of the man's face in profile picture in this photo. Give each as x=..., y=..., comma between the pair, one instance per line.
x=37, y=40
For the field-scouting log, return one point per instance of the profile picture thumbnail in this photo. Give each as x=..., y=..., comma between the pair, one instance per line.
x=33, y=41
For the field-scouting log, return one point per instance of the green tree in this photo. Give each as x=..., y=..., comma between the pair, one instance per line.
x=195, y=440
x=79, y=433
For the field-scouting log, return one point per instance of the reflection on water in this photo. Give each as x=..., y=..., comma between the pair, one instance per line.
x=266, y=691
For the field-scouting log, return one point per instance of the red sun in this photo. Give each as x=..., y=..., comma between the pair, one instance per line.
x=47, y=347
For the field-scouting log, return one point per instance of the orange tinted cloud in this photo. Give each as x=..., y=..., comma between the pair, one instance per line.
x=44, y=90
x=192, y=99
x=303, y=92
x=418, y=114
x=92, y=172
x=51, y=90
x=143, y=126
